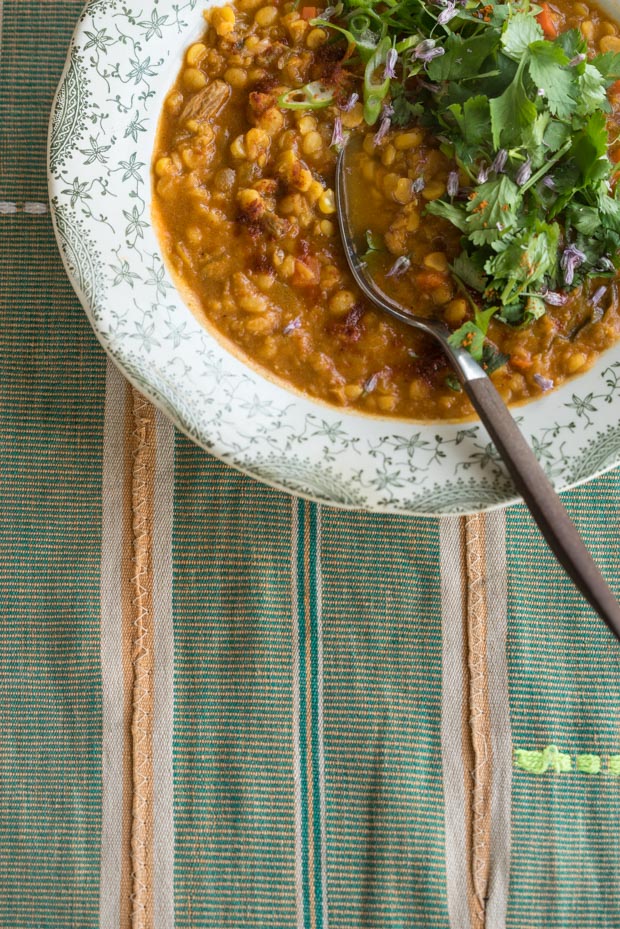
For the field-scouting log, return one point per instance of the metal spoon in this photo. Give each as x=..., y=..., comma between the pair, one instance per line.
x=522, y=465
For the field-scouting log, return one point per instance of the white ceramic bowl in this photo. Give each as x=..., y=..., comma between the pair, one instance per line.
x=122, y=60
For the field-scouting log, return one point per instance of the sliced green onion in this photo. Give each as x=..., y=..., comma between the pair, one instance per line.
x=365, y=42
x=375, y=92
x=313, y=96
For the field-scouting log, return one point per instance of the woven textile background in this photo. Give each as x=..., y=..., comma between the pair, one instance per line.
x=224, y=707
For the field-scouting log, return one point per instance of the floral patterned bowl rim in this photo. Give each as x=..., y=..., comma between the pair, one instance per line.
x=123, y=57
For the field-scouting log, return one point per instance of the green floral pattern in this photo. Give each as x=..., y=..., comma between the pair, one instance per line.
x=123, y=58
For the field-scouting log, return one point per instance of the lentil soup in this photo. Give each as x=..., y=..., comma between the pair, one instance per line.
x=244, y=206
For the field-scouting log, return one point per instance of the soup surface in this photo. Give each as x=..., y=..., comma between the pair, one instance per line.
x=244, y=205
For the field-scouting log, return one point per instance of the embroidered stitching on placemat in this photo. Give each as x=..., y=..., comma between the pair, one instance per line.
x=142, y=660
x=8, y=208
x=551, y=759
x=479, y=718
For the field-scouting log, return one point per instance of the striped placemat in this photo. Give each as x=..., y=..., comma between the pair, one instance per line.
x=224, y=707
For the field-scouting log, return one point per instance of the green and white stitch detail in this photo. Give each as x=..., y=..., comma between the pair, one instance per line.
x=552, y=759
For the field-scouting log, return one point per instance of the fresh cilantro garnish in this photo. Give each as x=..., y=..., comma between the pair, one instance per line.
x=469, y=337
x=523, y=113
x=405, y=109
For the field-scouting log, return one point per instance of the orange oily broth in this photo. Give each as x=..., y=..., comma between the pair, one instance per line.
x=243, y=202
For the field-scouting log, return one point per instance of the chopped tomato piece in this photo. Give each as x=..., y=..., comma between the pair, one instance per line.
x=308, y=12
x=547, y=22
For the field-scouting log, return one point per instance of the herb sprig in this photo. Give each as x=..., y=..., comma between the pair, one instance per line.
x=523, y=115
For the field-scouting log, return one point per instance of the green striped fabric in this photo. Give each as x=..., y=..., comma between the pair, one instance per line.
x=564, y=690
x=36, y=37
x=234, y=819
x=51, y=390
x=382, y=668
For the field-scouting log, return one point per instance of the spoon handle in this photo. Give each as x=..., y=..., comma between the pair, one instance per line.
x=543, y=502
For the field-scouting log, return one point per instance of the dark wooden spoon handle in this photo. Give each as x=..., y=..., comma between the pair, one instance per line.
x=542, y=500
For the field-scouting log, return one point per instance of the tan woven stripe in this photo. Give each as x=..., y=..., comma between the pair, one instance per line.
x=456, y=764
x=115, y=640
x=478, y=716
x=163, y=678
x=467, y=747
x=143, y=477
x=501, y=737
x=127, y=616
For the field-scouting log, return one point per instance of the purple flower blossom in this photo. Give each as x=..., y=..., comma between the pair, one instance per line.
x=524, y=173
x=427, y=50
x=598, y=295
x=452, y=185
x=390, y=64
x=294, y=324
x=382, y=131
x=418, y=185
x=549, y=182
x=571, y=259
x=499, y=162
x=576, y=60
x=399, y=267
x=543, y=382
x=337, y=134
x=348, y=106
x=553, y=298
x=447, y=14
x=483, y=174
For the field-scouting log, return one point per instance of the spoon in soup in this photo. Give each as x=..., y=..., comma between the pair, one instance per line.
x=528, y=476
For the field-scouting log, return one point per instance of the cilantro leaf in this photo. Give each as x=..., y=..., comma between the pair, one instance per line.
x=463, y=57
x=534, y=140
x=473, y=120
x=521, y=30
x=492, y=209
x=556, y=134
x=573, y=43
x=448, y=211
x=405, y=109
x=591, y=93
x=609, y=209
x=590, y=150
x=545, y=63
x=482, y=318
x=469, y=337
x=534, y=308
x=469, y=269
x=511, y=113
x=584, y=218
x=608, y=65
x=527, y=260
